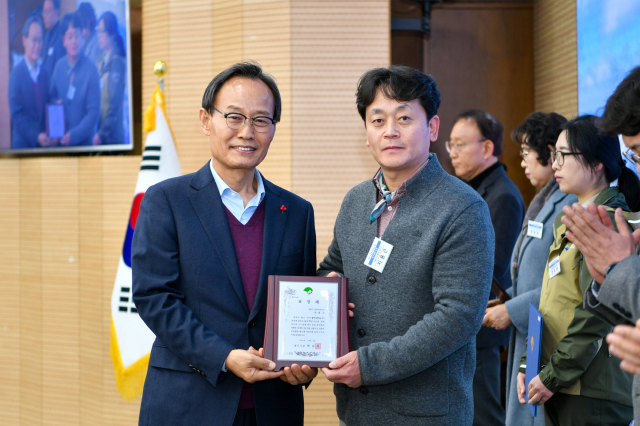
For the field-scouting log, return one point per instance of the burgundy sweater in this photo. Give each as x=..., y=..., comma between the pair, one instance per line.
x=247, y=240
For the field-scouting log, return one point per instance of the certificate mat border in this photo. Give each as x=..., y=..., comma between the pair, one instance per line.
x=271, y=330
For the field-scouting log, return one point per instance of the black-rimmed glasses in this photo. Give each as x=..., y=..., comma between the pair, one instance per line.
x=558, y=156
x=236, y=121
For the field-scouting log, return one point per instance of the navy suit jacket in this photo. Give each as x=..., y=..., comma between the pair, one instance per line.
x=27, y=120
x=188, y=290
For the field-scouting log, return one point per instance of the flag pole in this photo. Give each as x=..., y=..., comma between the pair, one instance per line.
x=159, y=69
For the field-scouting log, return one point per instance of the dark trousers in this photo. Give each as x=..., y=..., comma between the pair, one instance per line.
x=487, y=407
x=575, y=410
x=245, y=417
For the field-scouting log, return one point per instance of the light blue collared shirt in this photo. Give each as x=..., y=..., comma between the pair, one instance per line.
x=233, y=201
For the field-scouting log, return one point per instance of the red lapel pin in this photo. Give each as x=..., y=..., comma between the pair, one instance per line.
x=283, y=209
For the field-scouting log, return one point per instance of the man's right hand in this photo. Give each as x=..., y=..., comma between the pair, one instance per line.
x=251, y=368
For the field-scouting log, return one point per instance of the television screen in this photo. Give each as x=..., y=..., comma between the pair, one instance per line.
x=608, y=48
x=69, y=77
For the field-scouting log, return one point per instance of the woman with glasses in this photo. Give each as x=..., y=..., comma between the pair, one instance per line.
x=535, y=136
x=112, y=68
x=579, y=382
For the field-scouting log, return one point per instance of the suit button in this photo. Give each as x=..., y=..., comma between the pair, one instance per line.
x=364, y=390
x=361, y=332
x=202, y=374
x=372, y=280
x=616, y=306
x=252, y=324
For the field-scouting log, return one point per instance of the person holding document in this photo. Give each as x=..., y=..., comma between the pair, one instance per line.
x=204, y=246
x=76, y=86
x=535, y=136
x=29, y=90
x=417, y=246
x=580, y=383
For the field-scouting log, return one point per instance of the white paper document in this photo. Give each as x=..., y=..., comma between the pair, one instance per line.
x=308, y=321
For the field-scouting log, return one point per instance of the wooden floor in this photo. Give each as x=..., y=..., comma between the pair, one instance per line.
x=320, y=403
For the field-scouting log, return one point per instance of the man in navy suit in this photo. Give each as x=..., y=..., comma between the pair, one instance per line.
x=204, y=246
x=29, y=90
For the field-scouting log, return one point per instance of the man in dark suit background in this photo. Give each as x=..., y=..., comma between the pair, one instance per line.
x=29, y=90
x=474, y=147
x=204, y=246
x=53, y=47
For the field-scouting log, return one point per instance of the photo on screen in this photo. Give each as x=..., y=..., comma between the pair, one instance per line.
x=69, y=77
x=608, y=48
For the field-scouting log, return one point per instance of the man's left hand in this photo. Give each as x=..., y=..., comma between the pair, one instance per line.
x=345, y=369
x=296, y=375
x=497, y=317
x=624, y=343
x=593, y=234
x=538, y=393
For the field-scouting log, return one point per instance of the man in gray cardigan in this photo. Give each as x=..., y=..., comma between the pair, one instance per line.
x=428, y=244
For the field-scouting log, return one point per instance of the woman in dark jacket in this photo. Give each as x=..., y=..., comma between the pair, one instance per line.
x=113, y=73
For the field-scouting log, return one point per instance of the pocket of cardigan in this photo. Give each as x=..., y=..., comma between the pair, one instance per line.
x=425, y=394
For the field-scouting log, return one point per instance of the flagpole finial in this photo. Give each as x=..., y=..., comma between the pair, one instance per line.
x=159, y=69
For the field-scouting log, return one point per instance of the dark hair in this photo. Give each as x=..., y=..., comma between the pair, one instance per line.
x=400, y=83
x=56, y=4
x=88, y=15
x=110, y=23
x=32, y=20
x=622, y=111
x=540, y=130
x=490, y=128
x=596, y=148
x=250, y=70
x=71, y=20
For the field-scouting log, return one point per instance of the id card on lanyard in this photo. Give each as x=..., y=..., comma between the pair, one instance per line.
x=71, y=93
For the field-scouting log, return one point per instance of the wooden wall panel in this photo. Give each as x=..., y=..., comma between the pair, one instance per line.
x=556, y=57
x=481, y=57
x=60, y=295
x=266, y=35
x=30, y=290
x=190, y=70
x=93, y=337
x=10, y=284
x=333, y=44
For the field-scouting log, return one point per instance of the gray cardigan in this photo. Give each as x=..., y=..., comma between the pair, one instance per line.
x=416, y=321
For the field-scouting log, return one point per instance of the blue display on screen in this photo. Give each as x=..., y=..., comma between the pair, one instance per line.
x=608, y=48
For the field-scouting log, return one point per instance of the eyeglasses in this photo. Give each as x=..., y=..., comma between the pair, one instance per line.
x=458, y=146
x=630, y=155
x=558, y=156
x=236, y=121
x=524, y=153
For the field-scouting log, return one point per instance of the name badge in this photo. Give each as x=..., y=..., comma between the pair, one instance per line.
x=554, y=267
x=71, y=93
x=535, y=229
x=378, y=255
x=50, y=51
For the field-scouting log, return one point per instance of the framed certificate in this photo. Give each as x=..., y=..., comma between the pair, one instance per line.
x=55, y=121
x=307, y=320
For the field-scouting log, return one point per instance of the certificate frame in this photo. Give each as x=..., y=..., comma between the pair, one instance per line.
x=272, y=333
x=61, y=119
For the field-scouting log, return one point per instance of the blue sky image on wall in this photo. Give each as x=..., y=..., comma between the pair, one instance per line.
x=608, y=48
